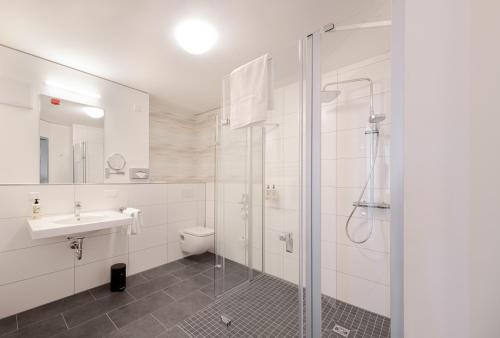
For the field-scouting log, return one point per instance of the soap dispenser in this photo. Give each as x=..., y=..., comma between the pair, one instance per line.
x=35, y=211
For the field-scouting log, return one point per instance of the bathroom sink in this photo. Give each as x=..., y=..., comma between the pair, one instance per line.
x=66, y=225
x=85, y=218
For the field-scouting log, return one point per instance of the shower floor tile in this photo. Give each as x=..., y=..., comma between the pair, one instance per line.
x=268, y=307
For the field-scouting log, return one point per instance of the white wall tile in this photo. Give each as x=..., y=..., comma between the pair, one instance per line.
x=328, y=255
x=291, y=270
x=329, y=117
x=182, y=211
x=329, y=282
x=33, y=292
x=329, y=228
x=328, y=173
x=328, y=200
x=363, y=293
x=290, y=126
x=274, y=264
x=291, y=99
x=291, y=198
x=175, y=252
x=147, y=259
x=147, y=194
x=16, y=201
x=291, y=150
x=353, y=172
x=35, y=261
x=329, y=146
x=102, y=196
x=364, y=263
x=274, y=218
x=149, y=237
x=182, y=193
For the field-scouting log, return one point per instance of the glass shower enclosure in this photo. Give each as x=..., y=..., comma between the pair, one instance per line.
x=302, y=201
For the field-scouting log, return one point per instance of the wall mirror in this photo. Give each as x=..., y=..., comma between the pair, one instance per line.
x=63, y=126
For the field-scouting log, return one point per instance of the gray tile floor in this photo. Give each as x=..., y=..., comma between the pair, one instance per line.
x=177, y=300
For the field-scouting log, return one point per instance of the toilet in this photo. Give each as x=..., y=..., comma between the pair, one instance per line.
x=196, y=240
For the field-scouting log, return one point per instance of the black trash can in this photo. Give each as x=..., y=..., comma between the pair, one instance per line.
x=118, y=277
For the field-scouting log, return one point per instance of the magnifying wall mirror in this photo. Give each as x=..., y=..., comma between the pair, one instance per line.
x=116, y=161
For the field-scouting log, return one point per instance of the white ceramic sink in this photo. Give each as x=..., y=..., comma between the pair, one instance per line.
x=65, y=225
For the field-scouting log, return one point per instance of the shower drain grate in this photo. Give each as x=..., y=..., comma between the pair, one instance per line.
x=341, y=330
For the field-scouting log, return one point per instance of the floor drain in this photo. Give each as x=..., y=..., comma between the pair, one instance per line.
x=226, y=320
x=341, y=330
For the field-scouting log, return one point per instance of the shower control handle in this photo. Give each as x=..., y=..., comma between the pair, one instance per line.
x=287, y=237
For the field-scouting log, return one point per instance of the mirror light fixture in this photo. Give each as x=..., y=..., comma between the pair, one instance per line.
x=195, y=36
x=72, y=90
x=94, y=112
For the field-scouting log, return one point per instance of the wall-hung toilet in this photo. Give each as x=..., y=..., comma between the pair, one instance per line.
x=196, y=240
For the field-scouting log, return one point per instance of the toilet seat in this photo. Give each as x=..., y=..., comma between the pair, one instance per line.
x=199, y=231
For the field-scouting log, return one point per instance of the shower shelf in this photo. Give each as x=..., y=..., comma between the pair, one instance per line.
x=364, y=204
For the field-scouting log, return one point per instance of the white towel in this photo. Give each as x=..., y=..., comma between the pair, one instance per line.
x=251, y=92
x=134, y=228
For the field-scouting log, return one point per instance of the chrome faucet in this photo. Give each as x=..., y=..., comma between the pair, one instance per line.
x=78, y=208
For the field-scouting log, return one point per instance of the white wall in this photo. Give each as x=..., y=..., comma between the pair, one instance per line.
x=437, y=181
x=36, y=272
x=20, y=127
x=451, y=169
x=484, y=119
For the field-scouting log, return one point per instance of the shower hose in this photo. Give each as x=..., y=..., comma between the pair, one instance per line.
x=355, y=207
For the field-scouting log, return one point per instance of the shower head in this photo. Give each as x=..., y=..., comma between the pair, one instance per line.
x=328, y=96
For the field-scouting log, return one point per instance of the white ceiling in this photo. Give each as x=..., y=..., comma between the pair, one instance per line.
x=130, y=41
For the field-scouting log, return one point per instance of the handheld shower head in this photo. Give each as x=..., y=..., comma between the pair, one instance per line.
x=376, y=118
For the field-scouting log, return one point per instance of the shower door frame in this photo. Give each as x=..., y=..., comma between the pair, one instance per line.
x=310, y=181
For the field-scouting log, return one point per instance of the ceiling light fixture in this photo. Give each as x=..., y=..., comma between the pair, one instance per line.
x=195, y=36
x=76, y=91
x=94, y=112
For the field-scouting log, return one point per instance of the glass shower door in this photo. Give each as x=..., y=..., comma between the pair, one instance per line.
x=238, y=205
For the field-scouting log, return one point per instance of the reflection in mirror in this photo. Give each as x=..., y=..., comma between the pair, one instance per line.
x=71, y=142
